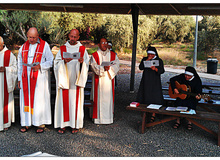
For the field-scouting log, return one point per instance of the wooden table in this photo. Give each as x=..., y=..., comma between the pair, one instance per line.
x=210, y=116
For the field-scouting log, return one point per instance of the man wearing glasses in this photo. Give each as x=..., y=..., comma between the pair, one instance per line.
x=105, y=66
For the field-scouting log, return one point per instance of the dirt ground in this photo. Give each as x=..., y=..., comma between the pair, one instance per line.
x=126, y=69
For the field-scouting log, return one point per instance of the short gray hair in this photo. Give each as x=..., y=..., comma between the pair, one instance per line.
x=1, y=40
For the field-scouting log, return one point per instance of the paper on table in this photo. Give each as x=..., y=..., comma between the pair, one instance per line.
x=191, y=111
x=75, y=55
x=31, y=65
x=154, y=106
x=171, y=109
x=179, y=108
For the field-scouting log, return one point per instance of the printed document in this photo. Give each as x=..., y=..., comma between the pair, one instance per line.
x=148, y=64
x=75, y=55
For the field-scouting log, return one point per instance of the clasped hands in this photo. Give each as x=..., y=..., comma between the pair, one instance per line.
x=36, y=68
x=106, y=68
x=153, y=67
x=66, y=60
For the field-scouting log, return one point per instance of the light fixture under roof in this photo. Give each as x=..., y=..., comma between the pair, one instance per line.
x=204, y=7
x=62, y=5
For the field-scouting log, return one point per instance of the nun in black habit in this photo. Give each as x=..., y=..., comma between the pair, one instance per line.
x=189, y=78
x=150, y=89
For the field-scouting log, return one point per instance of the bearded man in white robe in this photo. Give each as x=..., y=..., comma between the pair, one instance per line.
x=8, y=76
x=71, y=76
x=103, y=83
x=34, y=61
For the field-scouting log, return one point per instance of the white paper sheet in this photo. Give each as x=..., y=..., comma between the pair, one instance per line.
x=148, y=64
x=75, y=55
x=154, y=106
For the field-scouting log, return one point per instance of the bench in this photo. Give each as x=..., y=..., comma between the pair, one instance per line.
x=205, y=105
x=172, y=115
x=87, y=90
x=208, y=85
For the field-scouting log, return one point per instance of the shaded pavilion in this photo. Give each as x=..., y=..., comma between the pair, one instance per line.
x=134, y=9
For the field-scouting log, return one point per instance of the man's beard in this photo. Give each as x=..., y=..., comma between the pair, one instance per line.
x=72, y=42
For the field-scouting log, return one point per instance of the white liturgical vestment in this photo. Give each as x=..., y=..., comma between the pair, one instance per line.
x=7, y=85
x=71, y=79
x=103, y=86
x=38, y=110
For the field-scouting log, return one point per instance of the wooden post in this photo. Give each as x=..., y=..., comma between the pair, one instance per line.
x=135, y=13
x=143, y=122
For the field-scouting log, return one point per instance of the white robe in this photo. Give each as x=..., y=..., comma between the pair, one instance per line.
x=11, y=76
x=105, y=96
x=42, y=105
x=68, y=76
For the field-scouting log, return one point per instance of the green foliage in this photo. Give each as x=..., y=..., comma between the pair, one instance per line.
x=183, y=46
x=18, y=22
x=209, y=35
x=55, y=26
x=174, y=28
x=92, y=50
x=119, y=30
x=127, y=50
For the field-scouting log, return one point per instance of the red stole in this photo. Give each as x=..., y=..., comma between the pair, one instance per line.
x=33, y=75
x=95, y=103
x=65, y=92
x=6, y=95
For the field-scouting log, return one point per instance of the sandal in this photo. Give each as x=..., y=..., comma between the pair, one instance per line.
x=189, y=126
x=176, y=125
x=152, y=119
x=61, y=130
x=40, y=130
x=74, y=131
x=24, y=129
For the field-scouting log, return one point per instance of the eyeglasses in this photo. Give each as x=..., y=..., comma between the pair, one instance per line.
x=104, y=42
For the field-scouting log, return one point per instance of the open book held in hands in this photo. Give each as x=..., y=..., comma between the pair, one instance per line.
x=148, y=64
x=105, y=63
x=134, y=104
x=75, y=55
x=31, y=65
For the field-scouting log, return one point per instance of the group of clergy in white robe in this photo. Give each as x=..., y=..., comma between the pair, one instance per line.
x=33, y=72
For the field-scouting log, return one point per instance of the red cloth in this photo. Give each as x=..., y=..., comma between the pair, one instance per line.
x=6, y=95
x=33, y=78
x=66, y=91
x=95, y=103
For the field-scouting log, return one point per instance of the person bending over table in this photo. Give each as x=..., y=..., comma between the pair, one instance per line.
x=191, y=79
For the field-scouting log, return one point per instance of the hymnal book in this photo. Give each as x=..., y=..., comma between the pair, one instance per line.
x=105, y=63
x=177, y=108
x=75, y=55
x=171, y=108
x=148, y=64
x=134, y=104
x=154, y=106
x=31, y=65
